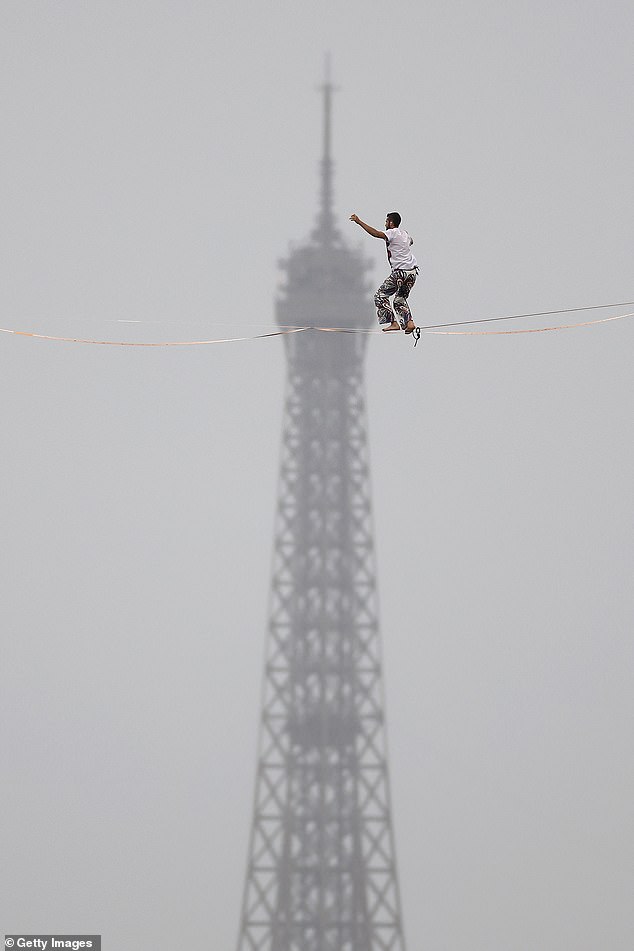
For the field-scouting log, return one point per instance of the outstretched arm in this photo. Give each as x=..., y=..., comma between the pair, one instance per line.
x=368, y=228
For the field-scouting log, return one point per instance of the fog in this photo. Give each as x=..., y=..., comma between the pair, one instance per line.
x=158, y=162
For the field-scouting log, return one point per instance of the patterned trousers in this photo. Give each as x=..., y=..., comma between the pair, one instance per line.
x=400, y=283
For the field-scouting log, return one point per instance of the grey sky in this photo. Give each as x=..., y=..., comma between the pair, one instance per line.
x=149, y=148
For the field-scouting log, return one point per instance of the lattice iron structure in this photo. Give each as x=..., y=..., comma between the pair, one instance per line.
x=321, y=872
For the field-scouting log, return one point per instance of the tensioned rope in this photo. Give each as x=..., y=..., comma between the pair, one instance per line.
x=480, y=333
x=159, y=343
x=427, y=329
x=543, y=313
x=528, y=330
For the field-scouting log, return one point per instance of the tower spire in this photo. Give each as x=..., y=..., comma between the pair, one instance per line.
x=326, y=231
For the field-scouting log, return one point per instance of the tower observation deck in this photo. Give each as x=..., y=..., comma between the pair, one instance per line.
x=321, y=873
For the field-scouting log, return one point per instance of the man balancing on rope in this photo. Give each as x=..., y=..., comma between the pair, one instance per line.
x=403, y=276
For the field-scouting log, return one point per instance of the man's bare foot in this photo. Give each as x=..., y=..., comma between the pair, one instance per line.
x=411, y=327
x=393, y=326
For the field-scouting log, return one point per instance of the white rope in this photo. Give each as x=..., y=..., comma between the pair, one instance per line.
x=530, y=330
x=160, y=343
x=290, y=329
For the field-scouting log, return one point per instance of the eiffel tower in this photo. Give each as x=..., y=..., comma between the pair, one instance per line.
x=321, y=872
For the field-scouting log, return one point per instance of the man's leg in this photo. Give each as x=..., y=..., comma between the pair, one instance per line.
x=384, y=310
x=405, y=282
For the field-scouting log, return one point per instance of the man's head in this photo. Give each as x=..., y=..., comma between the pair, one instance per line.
x=393, y=220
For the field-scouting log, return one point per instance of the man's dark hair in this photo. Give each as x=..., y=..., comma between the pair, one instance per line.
x=395, y=218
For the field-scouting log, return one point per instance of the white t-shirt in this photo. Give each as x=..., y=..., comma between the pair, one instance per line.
x=398, y=250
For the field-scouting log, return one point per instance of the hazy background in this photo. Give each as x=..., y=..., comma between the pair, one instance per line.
x=157, y=160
